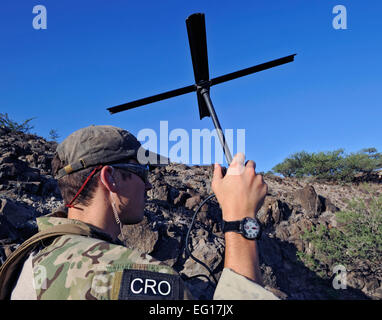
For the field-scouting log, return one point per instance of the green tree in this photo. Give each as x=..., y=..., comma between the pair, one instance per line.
x=294, y=165
x=332, y=165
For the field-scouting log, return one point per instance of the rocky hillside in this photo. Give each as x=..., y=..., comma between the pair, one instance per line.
x=27, y=190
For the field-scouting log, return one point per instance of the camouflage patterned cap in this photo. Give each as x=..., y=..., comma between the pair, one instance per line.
x=96, y=145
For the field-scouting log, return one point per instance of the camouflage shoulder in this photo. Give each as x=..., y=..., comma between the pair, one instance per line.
x=49, y=221
x=77, y=267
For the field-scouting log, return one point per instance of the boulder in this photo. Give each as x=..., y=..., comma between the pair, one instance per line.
x=17, y=219
x=140, y=236
x=309, y=200
x=193, y=202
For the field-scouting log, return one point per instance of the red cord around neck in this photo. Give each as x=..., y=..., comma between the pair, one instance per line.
x=70, y=205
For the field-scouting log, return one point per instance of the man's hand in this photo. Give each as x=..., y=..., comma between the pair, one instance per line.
x=241, y=191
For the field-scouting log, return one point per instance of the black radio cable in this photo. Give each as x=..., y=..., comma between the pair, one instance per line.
x=188, y=250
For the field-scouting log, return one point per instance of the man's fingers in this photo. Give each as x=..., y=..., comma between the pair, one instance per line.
x=239, y=158
x=237, y=165
x=218, y=175
x=250, y=164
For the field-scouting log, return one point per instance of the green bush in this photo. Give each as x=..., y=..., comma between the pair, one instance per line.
x=355, y=243
x=12, y=125
x=332, y=165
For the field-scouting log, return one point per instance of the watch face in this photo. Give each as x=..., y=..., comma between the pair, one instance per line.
x=251, y=228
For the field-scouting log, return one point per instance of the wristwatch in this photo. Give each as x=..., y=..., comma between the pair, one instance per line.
x=249, y=228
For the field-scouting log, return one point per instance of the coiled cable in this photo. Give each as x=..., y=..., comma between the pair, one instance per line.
x=189, y=252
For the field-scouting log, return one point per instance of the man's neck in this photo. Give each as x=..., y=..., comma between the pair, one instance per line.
x=99, y=215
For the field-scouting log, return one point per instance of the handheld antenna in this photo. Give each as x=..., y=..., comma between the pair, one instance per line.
x=196, y=30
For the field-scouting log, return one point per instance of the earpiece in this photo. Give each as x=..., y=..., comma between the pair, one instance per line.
x=110, y=178
x=111, y=181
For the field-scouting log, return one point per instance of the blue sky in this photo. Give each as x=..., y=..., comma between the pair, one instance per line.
x=96, y=54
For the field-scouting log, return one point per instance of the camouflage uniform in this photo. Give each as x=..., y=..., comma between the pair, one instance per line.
x=75, y=267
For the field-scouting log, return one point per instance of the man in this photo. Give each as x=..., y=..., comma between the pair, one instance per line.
x=103, y=185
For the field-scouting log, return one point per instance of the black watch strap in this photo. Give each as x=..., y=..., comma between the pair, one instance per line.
x=231, y=226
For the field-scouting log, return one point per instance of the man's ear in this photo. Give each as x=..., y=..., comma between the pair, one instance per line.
x=107, y=178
